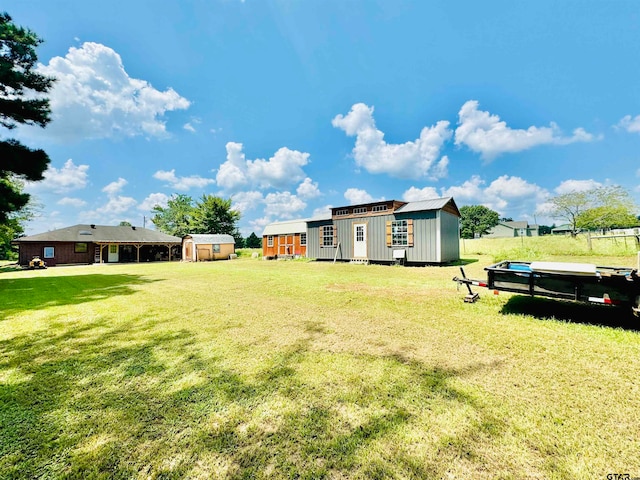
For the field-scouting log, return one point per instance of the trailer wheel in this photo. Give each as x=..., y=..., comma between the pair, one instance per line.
x=635, y=308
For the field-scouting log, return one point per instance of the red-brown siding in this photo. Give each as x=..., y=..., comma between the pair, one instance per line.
x=64, y=252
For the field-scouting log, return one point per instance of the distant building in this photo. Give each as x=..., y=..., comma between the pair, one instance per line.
x=513, y=229
x=198, y=247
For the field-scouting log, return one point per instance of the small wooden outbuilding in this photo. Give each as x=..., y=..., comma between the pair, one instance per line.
x=285, y=239
x=203, y=247
x=391, y=231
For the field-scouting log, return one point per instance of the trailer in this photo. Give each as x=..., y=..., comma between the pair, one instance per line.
x=579, y=282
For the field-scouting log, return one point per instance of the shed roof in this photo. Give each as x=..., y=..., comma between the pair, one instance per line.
x=431, y=204
x=288, y=227
x=102, y=234
x=210, y=238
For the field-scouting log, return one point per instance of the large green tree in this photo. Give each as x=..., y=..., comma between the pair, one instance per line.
x=253, y=241
x=477, y=219
x=22, y=101
x=13, y=226
x=210, y=214
x=597, y=208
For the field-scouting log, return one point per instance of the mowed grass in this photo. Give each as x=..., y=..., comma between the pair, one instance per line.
x=255, y=369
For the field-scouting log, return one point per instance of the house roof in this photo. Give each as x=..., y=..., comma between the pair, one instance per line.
x=210, y=238
x=283, y=228
x=102, y=234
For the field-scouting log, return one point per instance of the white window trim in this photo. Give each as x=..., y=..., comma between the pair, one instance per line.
x=269, y=240
x=49, y=249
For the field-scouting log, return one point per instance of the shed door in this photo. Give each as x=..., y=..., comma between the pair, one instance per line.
x=285, y=245
x=360, y=240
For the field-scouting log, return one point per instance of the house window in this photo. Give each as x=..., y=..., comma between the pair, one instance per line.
x=270, y=241
x=49, y=252
x=327, y=236
x=113, y=248
x=399, y=233
x=359, y=210
x=216, y=248
x=342, y=212
x=379, y=208
x=303, y=239
x=80, y=247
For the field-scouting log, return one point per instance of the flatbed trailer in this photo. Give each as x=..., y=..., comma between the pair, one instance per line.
x=579, y=282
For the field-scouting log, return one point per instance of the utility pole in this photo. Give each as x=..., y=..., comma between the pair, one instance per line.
x=144, y=221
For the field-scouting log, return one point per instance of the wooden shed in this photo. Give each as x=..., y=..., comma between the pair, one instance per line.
x=391, y=231
x=285, y=239
x=205, y=247
x=84, y=244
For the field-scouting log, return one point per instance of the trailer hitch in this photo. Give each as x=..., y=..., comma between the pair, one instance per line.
x=470, y=297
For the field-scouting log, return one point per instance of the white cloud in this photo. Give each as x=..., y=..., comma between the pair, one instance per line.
x=416, y=194
x=413, y=159
x=94, y=97
x=282, y=169
x=283, y=205
x=188, y=127
x=182, y=183
x=323, y=211
x=258, y=225
x=119, y=204
x=245, y=201
x=487, y=134
x=69, y=177
x=115, y=187
x=631, y=125
x=570, y=186
x=152, y=200
x=308, y=189
x=357, y=196
x=509, y=196
x=71, y=202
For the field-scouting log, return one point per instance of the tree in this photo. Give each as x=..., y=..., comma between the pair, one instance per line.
x=253, y=241
x=124, y=223
x=597, y=208
x=210, y=214
x=477, y=219
x=21, y=102
x=13, y=226
x=214, y=215
x=176, y=218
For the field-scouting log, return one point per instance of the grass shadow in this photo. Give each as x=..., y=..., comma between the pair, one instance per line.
x=26, y=294
x=572, y=312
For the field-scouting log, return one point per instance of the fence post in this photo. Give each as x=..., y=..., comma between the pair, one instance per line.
x=589, y=241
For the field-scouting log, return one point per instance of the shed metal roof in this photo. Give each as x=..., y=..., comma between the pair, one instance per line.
x=422, y=205
x=210, y=238
x=283, y=228
x=102, y=234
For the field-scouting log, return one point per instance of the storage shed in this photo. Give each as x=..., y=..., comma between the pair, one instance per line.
x=285, y=239
x=204, y=247
x=392, y=231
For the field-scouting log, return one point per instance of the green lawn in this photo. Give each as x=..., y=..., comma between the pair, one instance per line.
x=256, y=369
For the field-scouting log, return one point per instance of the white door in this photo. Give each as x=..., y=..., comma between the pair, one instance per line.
x=359, y=240
x=113, y=253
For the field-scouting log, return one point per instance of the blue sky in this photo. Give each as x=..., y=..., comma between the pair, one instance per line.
x=291, y=107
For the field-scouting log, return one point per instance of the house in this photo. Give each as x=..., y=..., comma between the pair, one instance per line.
x=391, y=231
x=513, y=229
x=285, y=239
x=203, y=247
x=84, y=244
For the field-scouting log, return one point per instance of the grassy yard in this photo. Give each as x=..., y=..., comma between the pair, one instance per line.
x=255, y=369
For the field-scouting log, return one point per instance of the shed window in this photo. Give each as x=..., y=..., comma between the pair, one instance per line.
x=327, y=236
x=342, y=212
x=49, y=252
x=80, y=247
x=216, y=248
x=379, y=208
x=359, y=210
x=270, y=241
x=303, y=239
x=400, y=233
